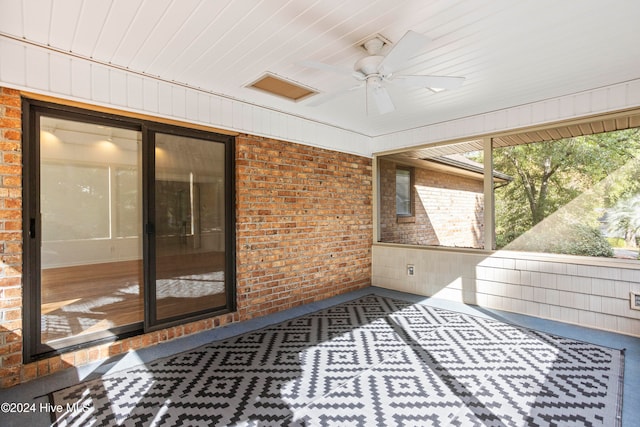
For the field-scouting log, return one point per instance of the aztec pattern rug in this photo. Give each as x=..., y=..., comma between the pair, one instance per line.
x=374, y=361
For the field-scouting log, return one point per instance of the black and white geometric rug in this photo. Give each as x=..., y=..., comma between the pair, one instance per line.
x=374, y=361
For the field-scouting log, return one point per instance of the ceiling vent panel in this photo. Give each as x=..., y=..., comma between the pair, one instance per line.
x=278, y=86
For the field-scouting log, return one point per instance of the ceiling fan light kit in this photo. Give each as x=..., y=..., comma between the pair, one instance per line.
x=376, y=70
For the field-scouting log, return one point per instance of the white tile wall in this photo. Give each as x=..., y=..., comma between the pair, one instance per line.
x=559, y=289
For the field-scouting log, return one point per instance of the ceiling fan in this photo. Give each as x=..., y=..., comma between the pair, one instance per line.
x=375, y=70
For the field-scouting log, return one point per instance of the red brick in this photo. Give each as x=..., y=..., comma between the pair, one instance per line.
x=115, y=348
x=29, y=371
x=12, y=112
x=68, y=359
x=13, y=203
x=461, y=193
x=9, y=100
x=10, y=170
x=93, y=354
x=10, y=122
x=12, y=181
x=11, y=236
x=11, y=360
x=304, y=233
x=82, y=357
x=13, y=225
x=104, y=351
x=12, y=135
x=308, y=219
x=11, y=325
x=14, y=314
x=56, y=364
x=12, y=158
x=10, y=92
x=42, y=367
x=10, y=303
x=7, y=282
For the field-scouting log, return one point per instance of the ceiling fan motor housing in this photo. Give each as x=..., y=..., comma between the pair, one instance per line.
x=374, y=70
x=369, y=64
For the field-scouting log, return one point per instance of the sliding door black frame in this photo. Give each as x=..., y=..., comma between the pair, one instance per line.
x=152, y=322
x=32, y=110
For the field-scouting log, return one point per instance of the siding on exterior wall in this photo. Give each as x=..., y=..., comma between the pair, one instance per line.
x=304, y=233
x=568, y=289
x=449, y=209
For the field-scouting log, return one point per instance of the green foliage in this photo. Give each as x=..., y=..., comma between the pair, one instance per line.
x=585, y=241
x=616, y=242
x=548, y=176
x=573, y=239
x=624, y=217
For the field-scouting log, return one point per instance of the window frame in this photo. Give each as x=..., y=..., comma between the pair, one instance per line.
x=32, y=110
x=605, y=122
x=412, y=211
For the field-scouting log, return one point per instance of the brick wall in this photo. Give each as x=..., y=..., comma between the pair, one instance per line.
x=10, y=235
x=304, y=233
x=304, y=224
x=449, y=209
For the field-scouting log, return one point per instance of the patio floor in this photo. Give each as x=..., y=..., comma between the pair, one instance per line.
x=37, y=391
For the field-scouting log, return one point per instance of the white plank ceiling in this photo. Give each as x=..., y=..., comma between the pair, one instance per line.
x=510, y=52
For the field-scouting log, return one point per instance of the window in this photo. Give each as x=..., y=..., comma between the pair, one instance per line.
x=577, y=196
x=571, y=189
x=433, y=197
x=130, y=227
x=404, y=191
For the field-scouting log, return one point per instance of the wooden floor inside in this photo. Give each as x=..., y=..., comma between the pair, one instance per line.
x=85, y=299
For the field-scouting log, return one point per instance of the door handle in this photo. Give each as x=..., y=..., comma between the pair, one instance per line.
x=149, y=228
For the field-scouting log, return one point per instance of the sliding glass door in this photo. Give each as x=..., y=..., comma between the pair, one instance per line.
x=89, y=204
x=129, y=225
x=189, y=224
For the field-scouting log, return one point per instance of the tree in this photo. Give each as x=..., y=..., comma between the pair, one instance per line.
x=624, y=217
x=548, y=175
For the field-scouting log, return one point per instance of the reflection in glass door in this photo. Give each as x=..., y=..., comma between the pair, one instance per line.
x=189, y=223
x=128, y=227
x=91, y=240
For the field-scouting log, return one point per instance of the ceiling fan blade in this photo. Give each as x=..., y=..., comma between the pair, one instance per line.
x=381, y=98
x=431, y=82
x=407, y=47
x=332, y=68
x=330, y=96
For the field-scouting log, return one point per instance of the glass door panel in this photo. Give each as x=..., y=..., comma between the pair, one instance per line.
x=189, y=219
x=91, y=231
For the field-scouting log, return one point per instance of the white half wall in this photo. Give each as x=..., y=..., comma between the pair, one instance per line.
x=565, y=288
